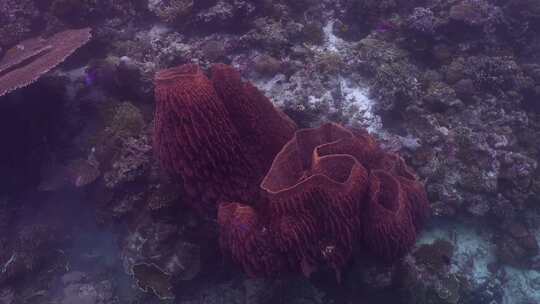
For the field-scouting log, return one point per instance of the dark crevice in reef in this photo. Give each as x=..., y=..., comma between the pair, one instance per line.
x=30, y=127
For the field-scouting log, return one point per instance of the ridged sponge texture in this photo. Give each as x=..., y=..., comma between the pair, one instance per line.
x=211, y=134
x=26, y=62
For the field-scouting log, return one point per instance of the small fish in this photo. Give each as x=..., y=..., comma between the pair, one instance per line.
x=90, y=77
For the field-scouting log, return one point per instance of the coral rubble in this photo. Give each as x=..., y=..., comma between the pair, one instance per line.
x=194, y=115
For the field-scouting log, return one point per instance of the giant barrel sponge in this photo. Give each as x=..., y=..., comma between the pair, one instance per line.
x=287, y=200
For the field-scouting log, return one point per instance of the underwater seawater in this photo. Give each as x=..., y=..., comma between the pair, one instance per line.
x=266, y=152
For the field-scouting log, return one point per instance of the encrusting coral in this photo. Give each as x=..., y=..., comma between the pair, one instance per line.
x=288, y=201
x=30, y=59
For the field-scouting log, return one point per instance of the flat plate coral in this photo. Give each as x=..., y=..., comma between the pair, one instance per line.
x=30, y=59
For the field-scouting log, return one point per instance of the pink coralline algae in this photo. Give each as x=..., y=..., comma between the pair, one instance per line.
x=289, y=200
x=26, y=62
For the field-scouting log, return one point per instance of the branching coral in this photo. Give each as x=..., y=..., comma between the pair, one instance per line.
x=288, y=202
